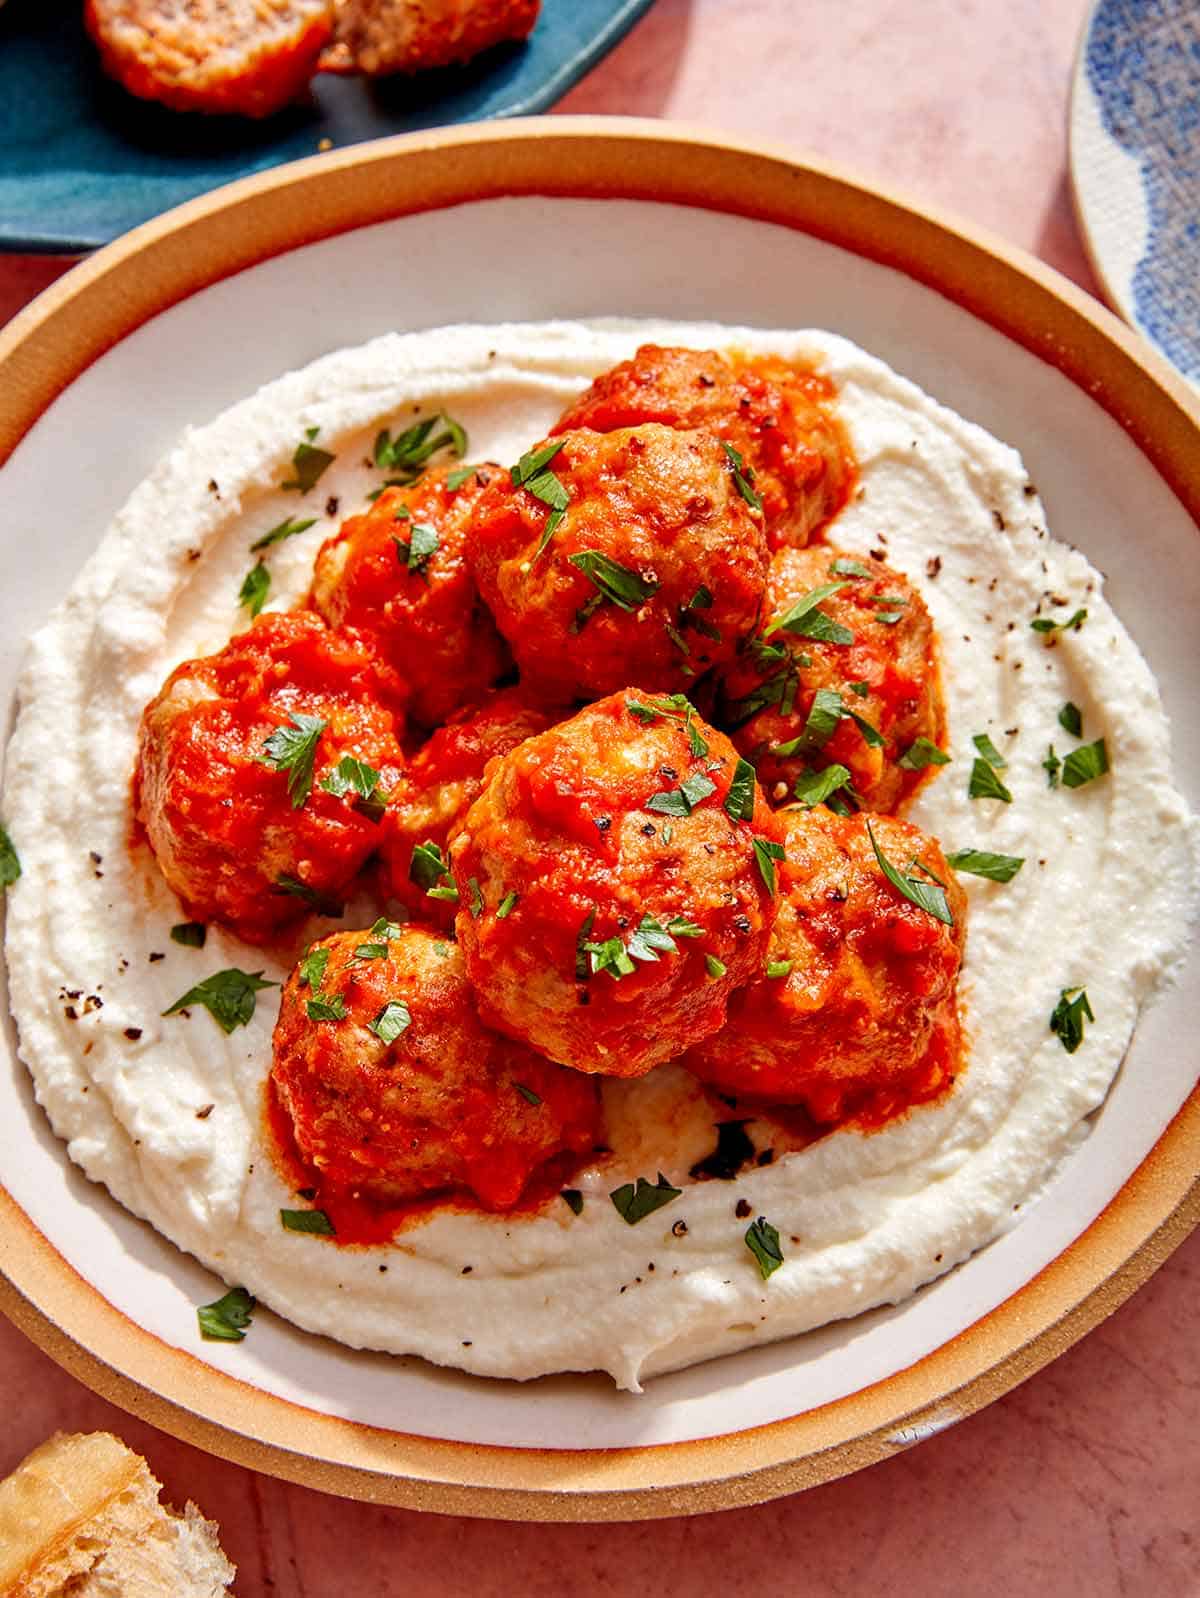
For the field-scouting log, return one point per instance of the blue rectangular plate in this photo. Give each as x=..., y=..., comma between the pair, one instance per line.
x=81, y=161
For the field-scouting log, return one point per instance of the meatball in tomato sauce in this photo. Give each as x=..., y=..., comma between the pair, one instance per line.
x=443, y=780
x=242, y=782
x=399, y=572
x=843, y=672
x=394, y=1089
x=778, y=418
x=640, y=562
x=854, y=1011
x=615, y=882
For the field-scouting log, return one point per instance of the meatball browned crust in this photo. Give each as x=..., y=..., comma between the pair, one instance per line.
x=377, y=37
x=653, y=574
x=234, y=758
x=855, y=1010
x=399, y=572
x=392, y=1086
x=778, y=418
x=443, y=780
x=615, y=883
x=842, y=672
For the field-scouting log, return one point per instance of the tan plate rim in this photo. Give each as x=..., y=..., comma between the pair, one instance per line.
x=113, y=292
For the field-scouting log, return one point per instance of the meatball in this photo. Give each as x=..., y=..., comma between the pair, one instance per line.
x=393, y=1087
x=854, y=1012
x=262, y=769
x=399, y=571
x=616, y=884
x=867, y=650
x=653, y=574
x=443, y=780
x=778, y=418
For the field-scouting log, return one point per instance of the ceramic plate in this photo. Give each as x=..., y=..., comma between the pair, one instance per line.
x=575, y=217
x=81, y=161
x=1135, y=163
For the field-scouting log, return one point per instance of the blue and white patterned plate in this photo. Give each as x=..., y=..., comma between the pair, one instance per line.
x=1135, y=162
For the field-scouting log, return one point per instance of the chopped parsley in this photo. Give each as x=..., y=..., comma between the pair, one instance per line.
x=743, y=477
x=739, y=801
x=256, y=585
x=228, y=996
x=326, y=1007
x=308, y=463
x=989, y=751
x=702, y=599
x=985, y=784
x=1052, y=765
x=634, y=1202
x=763, y=1242
x=812, y=788
x=1068, y=1016
x=369, y=951
x=649, y=940
x=1070, y=719
x=294, y=750
x=806, y=621
x=683, y=800
x=315, y=1222
x=927, y=896
x=824, y=714
x=528, y=1094
x=1085, y=764
x=192, y=934
x=532, y=473
x=674, y=705
x=475, y=898
x=506, y=906
x=573, y=1199
x=734, y=1150
x=312, y=968
x=323, y=903
x=414, y=552
x=427, y=868
x=226, y=1319
x=10, y=865
x=392, y=1020
x=409, y=453
x=456, y=478
x=355, y=776
x=766, y=854
x=850, y=568
x=582, y=952
x=285, y=529
x=982, y=863
x=716, y=968
x=615, y=583
x=1043, y=624
x=778, y=968
x=921, y=753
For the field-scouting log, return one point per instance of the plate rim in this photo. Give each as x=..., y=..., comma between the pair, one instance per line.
x=102, y=300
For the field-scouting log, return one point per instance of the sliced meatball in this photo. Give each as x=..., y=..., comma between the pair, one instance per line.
x=615, y=882
x=399, y=572
x=262, y=770
x=443, y=780
x=394, y=1089
x=854, y=1012
x=242, y=57
x=377, y=37
x=780, y=419
x=653, y=574
x=846, y=678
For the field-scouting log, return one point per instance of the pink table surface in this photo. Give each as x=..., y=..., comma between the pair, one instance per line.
x=1081, y=1481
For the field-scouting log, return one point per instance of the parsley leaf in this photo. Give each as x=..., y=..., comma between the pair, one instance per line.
x=814, y=787
x=716, y=968
x=10, y=865
x=294, y=750
x=872, y=736
x=850, y=568
x=1068, y=1017
x=226, y=1319
x=646, y=943
x=927, y=896
x=824, y=714
x=285, y=529
x=392, y=1020
x=256, y=585
x=734, y=1150
x=1070, y=719
x=778, y=968
x=507, y=905
x=352, y=775
x=1052, y=765
x=312, y=968
x=763, y=1242
x=309, y=463
x=409, y=453
x=633, y=1203
x=315, y=1222
x=806, y=621
x=676, y=705
x=989, y=751
x=982, y=863
x=475, y=900
x=323, y=903
x=1084, y=764
x=326, y=1007
x=766, y=854
x=422, y=542
x=921, y=753
x=528, y=1094
x=456, y=478
x=531, y=473
x=534, y=462
x=581, y=946
x=192, y=934
x=228, y=996
x=573, y=1199
x=739, y=801
x=683, y=800
x=427, y=868
x=985, y=784
x=1043, y=624
x=615, y=583
x=743, y=477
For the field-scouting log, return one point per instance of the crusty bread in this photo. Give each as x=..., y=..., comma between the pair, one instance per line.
x=377, y=37
x=81, y=1517
x=248, y=57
